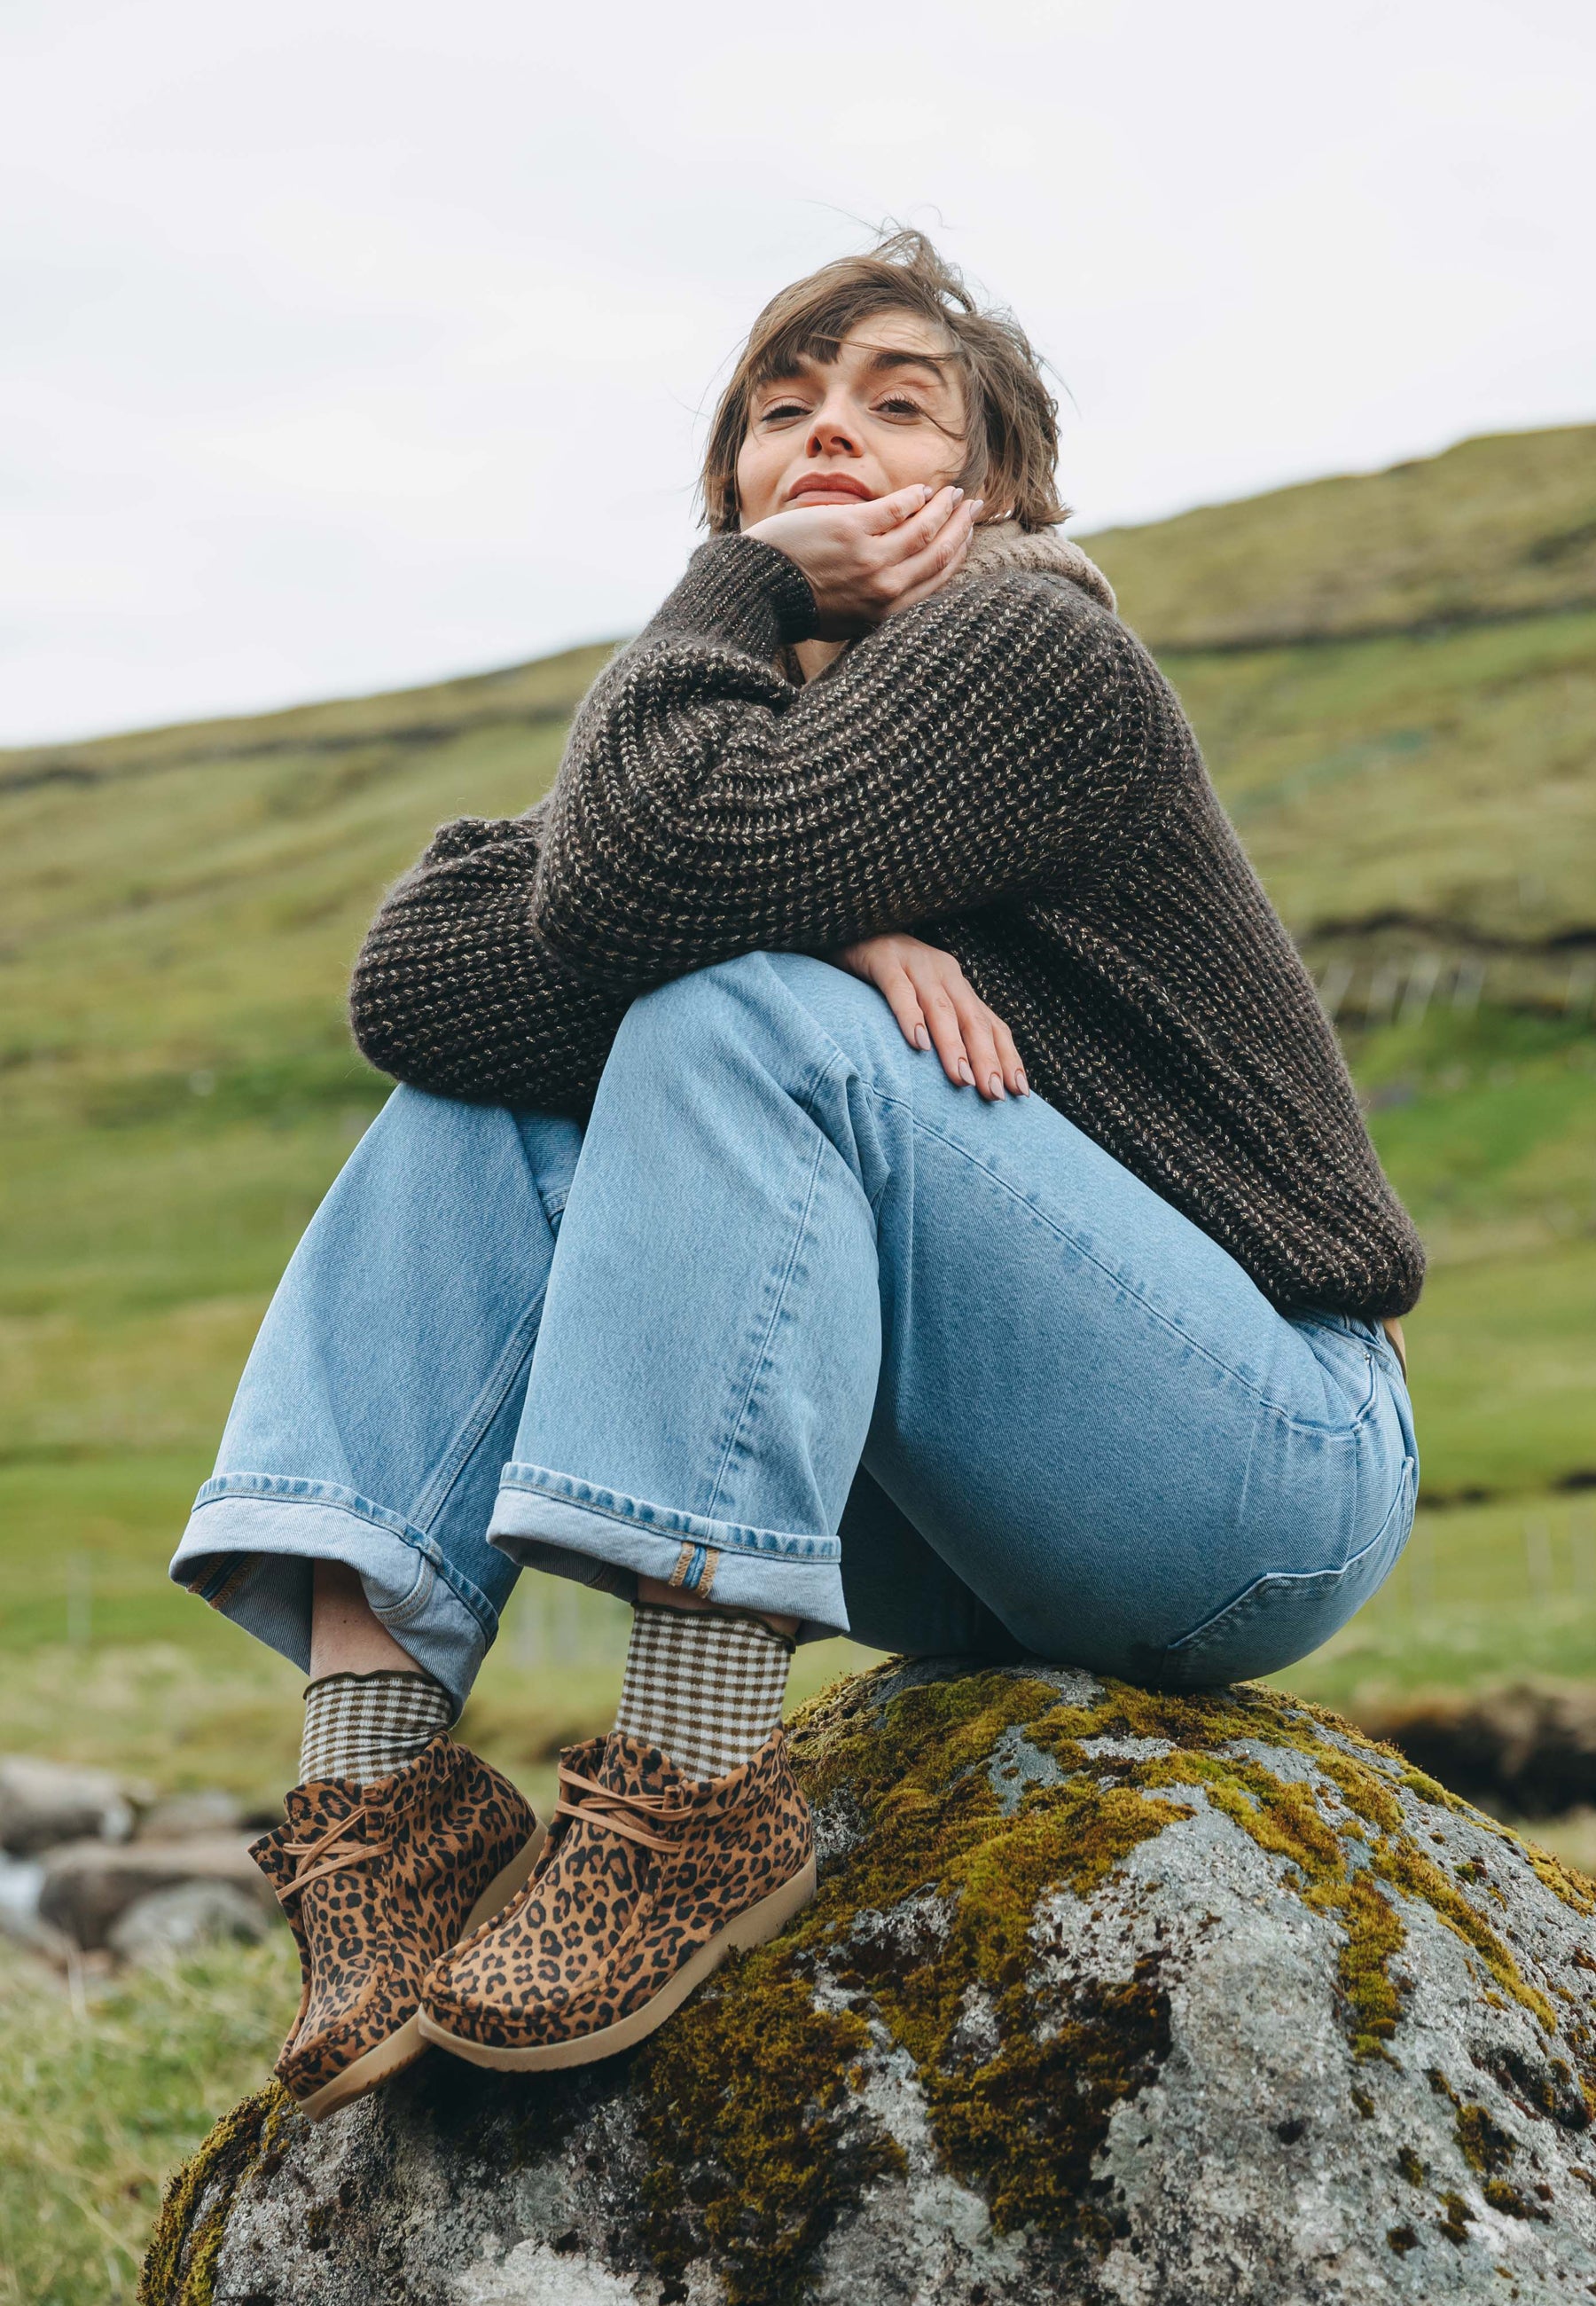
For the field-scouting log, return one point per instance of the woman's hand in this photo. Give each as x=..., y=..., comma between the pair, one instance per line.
x=865, y=561
x=933, y=1001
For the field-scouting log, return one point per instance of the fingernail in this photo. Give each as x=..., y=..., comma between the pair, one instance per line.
x=996, y=1085
x=958, y=496
x=965, y=1074
x=977, y=507
x=922, y=1037
x=1021, y=1084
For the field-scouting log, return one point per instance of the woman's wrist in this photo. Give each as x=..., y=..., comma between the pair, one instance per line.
x=741, y=590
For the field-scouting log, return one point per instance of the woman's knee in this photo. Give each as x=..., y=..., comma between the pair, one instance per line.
x=758, y=1001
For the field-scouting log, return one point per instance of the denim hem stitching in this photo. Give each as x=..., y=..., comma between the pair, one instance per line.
x=773, y=1545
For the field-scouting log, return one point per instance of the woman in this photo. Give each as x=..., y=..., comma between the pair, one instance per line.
x=871, y=1157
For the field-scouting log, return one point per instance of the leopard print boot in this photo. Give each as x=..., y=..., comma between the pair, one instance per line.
x=377, y=1881
x=649, y=1879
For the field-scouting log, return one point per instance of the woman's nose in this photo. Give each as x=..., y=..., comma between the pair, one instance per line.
x=830, y=432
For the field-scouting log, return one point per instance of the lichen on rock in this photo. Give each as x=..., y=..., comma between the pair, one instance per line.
x=1106, y=1993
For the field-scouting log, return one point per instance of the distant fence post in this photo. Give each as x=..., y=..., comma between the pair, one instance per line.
x=80, y=1601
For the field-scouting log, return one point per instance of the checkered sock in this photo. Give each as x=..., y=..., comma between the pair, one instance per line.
x=363, y=1725
x=703, y=1685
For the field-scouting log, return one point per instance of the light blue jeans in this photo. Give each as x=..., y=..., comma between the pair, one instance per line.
x=800, y=1326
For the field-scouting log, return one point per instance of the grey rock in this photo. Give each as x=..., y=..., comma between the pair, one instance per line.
x=89, y=1884
x=1111, y=1998
x=165, y=1925
x=179, y=1817
x=43, y=1804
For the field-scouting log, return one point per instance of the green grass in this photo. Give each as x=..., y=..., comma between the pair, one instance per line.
x=104, y=2088
x=1500, y=526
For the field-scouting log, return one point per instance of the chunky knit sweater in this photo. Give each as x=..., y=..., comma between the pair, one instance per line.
x=1003, y=769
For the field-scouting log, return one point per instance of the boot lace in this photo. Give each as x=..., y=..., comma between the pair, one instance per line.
x=330, y=1853
x=630, y=1814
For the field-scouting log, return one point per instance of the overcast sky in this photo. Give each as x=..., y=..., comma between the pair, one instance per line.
x=352, y=342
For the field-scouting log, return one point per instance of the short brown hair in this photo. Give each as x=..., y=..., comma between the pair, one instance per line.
x=1013, y=443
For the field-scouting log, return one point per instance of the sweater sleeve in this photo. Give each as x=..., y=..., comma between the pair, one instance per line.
x=454, y=991
x=963, y=752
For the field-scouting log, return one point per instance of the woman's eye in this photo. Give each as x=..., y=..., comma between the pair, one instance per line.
x=783, y=412
x=899, y=406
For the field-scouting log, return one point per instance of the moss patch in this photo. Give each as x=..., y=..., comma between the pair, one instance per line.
x=751, y=2081
x=1374, y=1934
x=180, y=2266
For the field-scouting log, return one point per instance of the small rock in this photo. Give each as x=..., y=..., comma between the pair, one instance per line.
x=1529, y=1748
x=89, y=1885
x=169, y=1923
x=43, y=1804
x=181, y=1816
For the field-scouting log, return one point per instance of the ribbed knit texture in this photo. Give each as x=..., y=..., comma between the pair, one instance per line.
x=364, y=1725
x=703, y=1686
x=1002, y=769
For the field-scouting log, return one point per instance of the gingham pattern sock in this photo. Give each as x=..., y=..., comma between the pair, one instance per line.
x=363, y=1725
x=704, y=1686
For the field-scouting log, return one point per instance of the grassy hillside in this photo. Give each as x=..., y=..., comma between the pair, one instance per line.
x=1499, y=528
x=1415, y=779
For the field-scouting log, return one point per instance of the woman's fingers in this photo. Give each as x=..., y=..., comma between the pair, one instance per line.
x=940, y=560
x=976, y=1048
x=935, y=1006
x=882, y=515
x=1008, y=1058
x=896, y=988
x=920, y=533
x=946, y=1036
x=976, y=1022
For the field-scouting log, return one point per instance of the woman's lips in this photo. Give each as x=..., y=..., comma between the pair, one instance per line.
x=838, y=486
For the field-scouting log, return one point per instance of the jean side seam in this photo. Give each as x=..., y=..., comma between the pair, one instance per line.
x=1154, y=1312
x=807, y=1098
x=763, y=1355
x=474, y=1427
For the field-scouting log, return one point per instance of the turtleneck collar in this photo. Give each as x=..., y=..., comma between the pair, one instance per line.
x=1003, y=544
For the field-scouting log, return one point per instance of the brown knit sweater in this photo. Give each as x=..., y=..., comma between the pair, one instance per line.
x=1002, y=769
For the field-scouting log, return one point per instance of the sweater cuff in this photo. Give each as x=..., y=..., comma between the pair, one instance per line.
x=741, y=590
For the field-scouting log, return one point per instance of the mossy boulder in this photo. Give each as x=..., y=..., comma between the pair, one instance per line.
x=1106, y=1996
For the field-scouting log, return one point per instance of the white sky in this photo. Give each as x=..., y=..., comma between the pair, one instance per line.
x=349, y=343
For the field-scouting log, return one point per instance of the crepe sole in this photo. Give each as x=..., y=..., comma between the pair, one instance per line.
x=751, y=1927
x=402, y=2049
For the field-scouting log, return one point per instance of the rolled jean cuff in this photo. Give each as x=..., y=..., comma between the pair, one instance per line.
x=250, y=1551
x=554, y=1522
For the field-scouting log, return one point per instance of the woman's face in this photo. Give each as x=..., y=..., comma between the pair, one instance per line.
x=888, y=411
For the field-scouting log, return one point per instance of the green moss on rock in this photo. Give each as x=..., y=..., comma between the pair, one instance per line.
x=180, y=2266
x=741, y=2100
